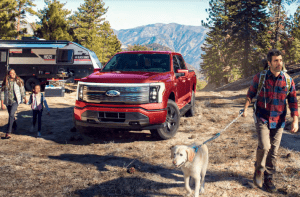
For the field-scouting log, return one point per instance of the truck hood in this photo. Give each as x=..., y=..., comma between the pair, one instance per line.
x=126, y=77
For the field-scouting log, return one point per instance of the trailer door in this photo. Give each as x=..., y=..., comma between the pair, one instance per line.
x=3, y=63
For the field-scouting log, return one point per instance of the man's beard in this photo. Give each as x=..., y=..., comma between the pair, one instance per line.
x=276, y=68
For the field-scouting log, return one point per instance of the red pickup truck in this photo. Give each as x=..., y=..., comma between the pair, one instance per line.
x=138, y=90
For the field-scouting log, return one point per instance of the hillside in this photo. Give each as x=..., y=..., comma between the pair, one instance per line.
x=63, y=163
x=186, y=40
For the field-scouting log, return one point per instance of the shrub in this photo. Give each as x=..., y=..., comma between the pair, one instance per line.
x=201, y=84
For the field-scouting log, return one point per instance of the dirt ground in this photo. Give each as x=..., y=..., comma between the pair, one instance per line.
x=65, y=163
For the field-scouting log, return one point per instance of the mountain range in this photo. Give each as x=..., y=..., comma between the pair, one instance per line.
x=184, y=39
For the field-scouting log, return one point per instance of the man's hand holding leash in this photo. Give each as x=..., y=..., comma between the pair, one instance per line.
x=247, y=103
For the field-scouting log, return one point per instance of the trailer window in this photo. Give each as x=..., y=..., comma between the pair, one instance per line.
x=26, y=52
x=65, y=55
x=3, y=56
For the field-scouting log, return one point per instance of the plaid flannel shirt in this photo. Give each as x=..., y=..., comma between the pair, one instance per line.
x=271, y=101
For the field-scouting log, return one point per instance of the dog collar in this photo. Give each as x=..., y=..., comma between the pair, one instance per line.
x=196, y=148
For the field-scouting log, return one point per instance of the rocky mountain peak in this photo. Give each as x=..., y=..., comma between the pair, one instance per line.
x=184, y=39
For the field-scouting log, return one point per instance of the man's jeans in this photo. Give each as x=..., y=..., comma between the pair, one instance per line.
x=11, y=112
x=268, y=145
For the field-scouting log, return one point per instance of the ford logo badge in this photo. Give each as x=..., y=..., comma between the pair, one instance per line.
x=112, y=93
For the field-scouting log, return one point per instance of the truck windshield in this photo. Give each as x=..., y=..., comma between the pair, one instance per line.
x=94, y=56
x=139, y=62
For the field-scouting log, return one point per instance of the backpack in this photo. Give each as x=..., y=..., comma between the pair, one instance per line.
x=261, y=84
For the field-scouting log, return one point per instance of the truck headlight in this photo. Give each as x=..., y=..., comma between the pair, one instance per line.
x=156, y=92
x=80, y=92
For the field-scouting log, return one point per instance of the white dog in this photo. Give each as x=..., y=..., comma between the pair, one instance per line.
x=193, y=163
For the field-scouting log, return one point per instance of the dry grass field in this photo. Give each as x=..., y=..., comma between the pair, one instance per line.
x=64, y=163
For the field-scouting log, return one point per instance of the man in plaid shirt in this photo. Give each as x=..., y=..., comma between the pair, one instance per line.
x=270, y=117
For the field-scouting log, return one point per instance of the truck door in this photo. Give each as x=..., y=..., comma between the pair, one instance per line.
x=3, y=63
x=180, y=81
x=187, y=82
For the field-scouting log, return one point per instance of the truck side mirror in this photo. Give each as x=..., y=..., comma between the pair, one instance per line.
x=97, y=69
x=184, y=71
x=179, y=75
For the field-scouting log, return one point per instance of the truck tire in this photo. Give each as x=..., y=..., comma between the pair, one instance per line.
x=30, y=83
x=191, y=111
x=81, y=129
x=172, y=121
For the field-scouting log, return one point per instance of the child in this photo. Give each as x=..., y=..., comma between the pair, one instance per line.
x=37, y=100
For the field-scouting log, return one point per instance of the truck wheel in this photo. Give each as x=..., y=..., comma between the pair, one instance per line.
x=30, y=83
x=83, y=130
x=191, y=111
x=172, y=121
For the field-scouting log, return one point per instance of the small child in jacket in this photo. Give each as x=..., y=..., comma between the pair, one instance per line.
x=37, y=101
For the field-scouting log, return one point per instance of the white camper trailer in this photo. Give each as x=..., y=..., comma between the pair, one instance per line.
x=37, y=61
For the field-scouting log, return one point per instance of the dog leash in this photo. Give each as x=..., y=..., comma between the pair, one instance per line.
x=218, y=134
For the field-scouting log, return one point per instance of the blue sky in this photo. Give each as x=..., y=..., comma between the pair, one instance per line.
x=126, y=14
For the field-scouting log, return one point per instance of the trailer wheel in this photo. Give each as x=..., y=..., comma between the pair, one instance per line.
x=31, y=82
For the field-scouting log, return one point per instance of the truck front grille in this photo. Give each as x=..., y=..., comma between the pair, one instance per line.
x=111, y=117
x=128, y=95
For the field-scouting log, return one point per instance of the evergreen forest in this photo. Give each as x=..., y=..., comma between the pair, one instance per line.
x=241, y=32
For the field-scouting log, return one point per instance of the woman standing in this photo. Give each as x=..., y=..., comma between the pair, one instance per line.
x=12, y=94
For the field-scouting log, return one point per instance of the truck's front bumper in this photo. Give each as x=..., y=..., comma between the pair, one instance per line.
x=120, y=118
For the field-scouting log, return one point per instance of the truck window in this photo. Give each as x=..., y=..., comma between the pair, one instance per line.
x=181, y=62
x=65, y=55
x=175, y=63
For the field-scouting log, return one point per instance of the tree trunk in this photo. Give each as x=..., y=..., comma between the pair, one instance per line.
x=19, y=21
x=246, y=46
x=277, y=19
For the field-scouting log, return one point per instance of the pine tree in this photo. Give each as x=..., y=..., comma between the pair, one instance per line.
x=290, y=42
x=23, y=7
x=8, y=16
x=93, y=32
x=138, y=47
x=86, y=23
x=111, y=43
x=277, y=12
x=237, y=41
x=250, y=21
x=53, y=22
x=296, y=50
x=295, y=27
x=220, y=61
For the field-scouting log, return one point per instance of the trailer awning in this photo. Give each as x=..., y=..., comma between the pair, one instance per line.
x=32, y=45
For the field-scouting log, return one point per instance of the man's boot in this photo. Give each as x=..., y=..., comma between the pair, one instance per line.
x=257, y=179
x=268, y=183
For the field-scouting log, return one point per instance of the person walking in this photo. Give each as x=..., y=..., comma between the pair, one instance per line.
x=12, y=94
x=272, y=88
x=37, y=101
